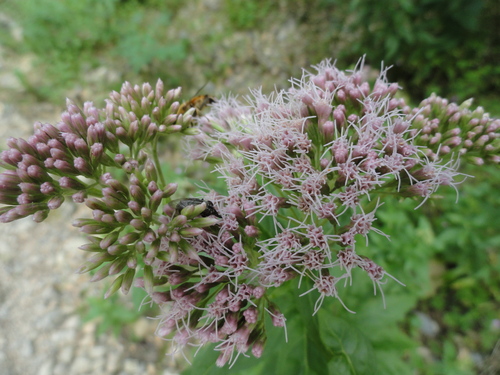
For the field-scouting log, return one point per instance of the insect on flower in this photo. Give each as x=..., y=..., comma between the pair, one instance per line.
x=198, y=102
x=180, y=204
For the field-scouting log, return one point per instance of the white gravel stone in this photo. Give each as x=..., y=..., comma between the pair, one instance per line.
x=131, y=366
x=46, y=368
x=98, y=352
x=65, y=355
x=113, y=363
x=81, y=365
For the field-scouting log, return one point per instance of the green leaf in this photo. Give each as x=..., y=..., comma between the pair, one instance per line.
x=315, y=353
x=368, y=342
x=353, y=352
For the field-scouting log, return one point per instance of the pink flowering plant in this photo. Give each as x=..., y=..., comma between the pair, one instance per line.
x=304, y=172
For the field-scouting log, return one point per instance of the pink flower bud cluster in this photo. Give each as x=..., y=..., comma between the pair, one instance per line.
x=49, y=166
x=133, y=224
x=445, y=128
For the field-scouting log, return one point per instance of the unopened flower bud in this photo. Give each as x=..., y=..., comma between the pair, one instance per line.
x=190, y=251
x=149, y=237
x=148, y=279
x=101, y=273
x=120, y=159
x=108, y=218
x=71, y=183
x=190, y=232
x=127, y=280
x=323, y=111
x=55, y=202
x=95, y=261
x=123, y=216
x=96, y=204
x=99, y=228
x=146, y=213
x=328, y=129
x=91, y=247
x=132, y=262
x=40, y=216
x=170, y=129
x=129, y=238
x=114, y=203
x=435, y=139
x=138, y=224
x=178, y=221
x=481, y=141
x=135, y=207
x=169, y=190
x=150, y=169
x=117, y=186
x=190, y=131
x=155, y=200
x=251, y=231
x=203, y=222
x=161, y=297
x=258, y=348
x=115, y=286
x=109, y=240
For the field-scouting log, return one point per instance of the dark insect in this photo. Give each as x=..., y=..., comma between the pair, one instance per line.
x=183, y=203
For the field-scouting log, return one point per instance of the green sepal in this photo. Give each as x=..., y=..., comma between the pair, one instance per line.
x=117, y=283
x=148, y=279
x=127, y=280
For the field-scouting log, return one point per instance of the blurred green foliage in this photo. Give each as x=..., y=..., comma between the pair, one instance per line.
x=244, y=14
x=448, y=255
x=114, y=315
x=451, y=48
x=72, y=38
x=448, y=47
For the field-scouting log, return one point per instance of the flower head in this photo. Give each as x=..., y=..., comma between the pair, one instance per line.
x=305, y=171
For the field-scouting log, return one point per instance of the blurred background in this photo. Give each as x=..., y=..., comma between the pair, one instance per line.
x=55, y=322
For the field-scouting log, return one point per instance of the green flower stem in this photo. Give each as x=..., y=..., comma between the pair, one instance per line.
x=154, y=146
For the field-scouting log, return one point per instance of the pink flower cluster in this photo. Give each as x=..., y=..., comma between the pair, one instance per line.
x=305, y=169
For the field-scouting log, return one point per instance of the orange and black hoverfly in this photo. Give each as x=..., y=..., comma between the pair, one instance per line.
x=197, y=102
